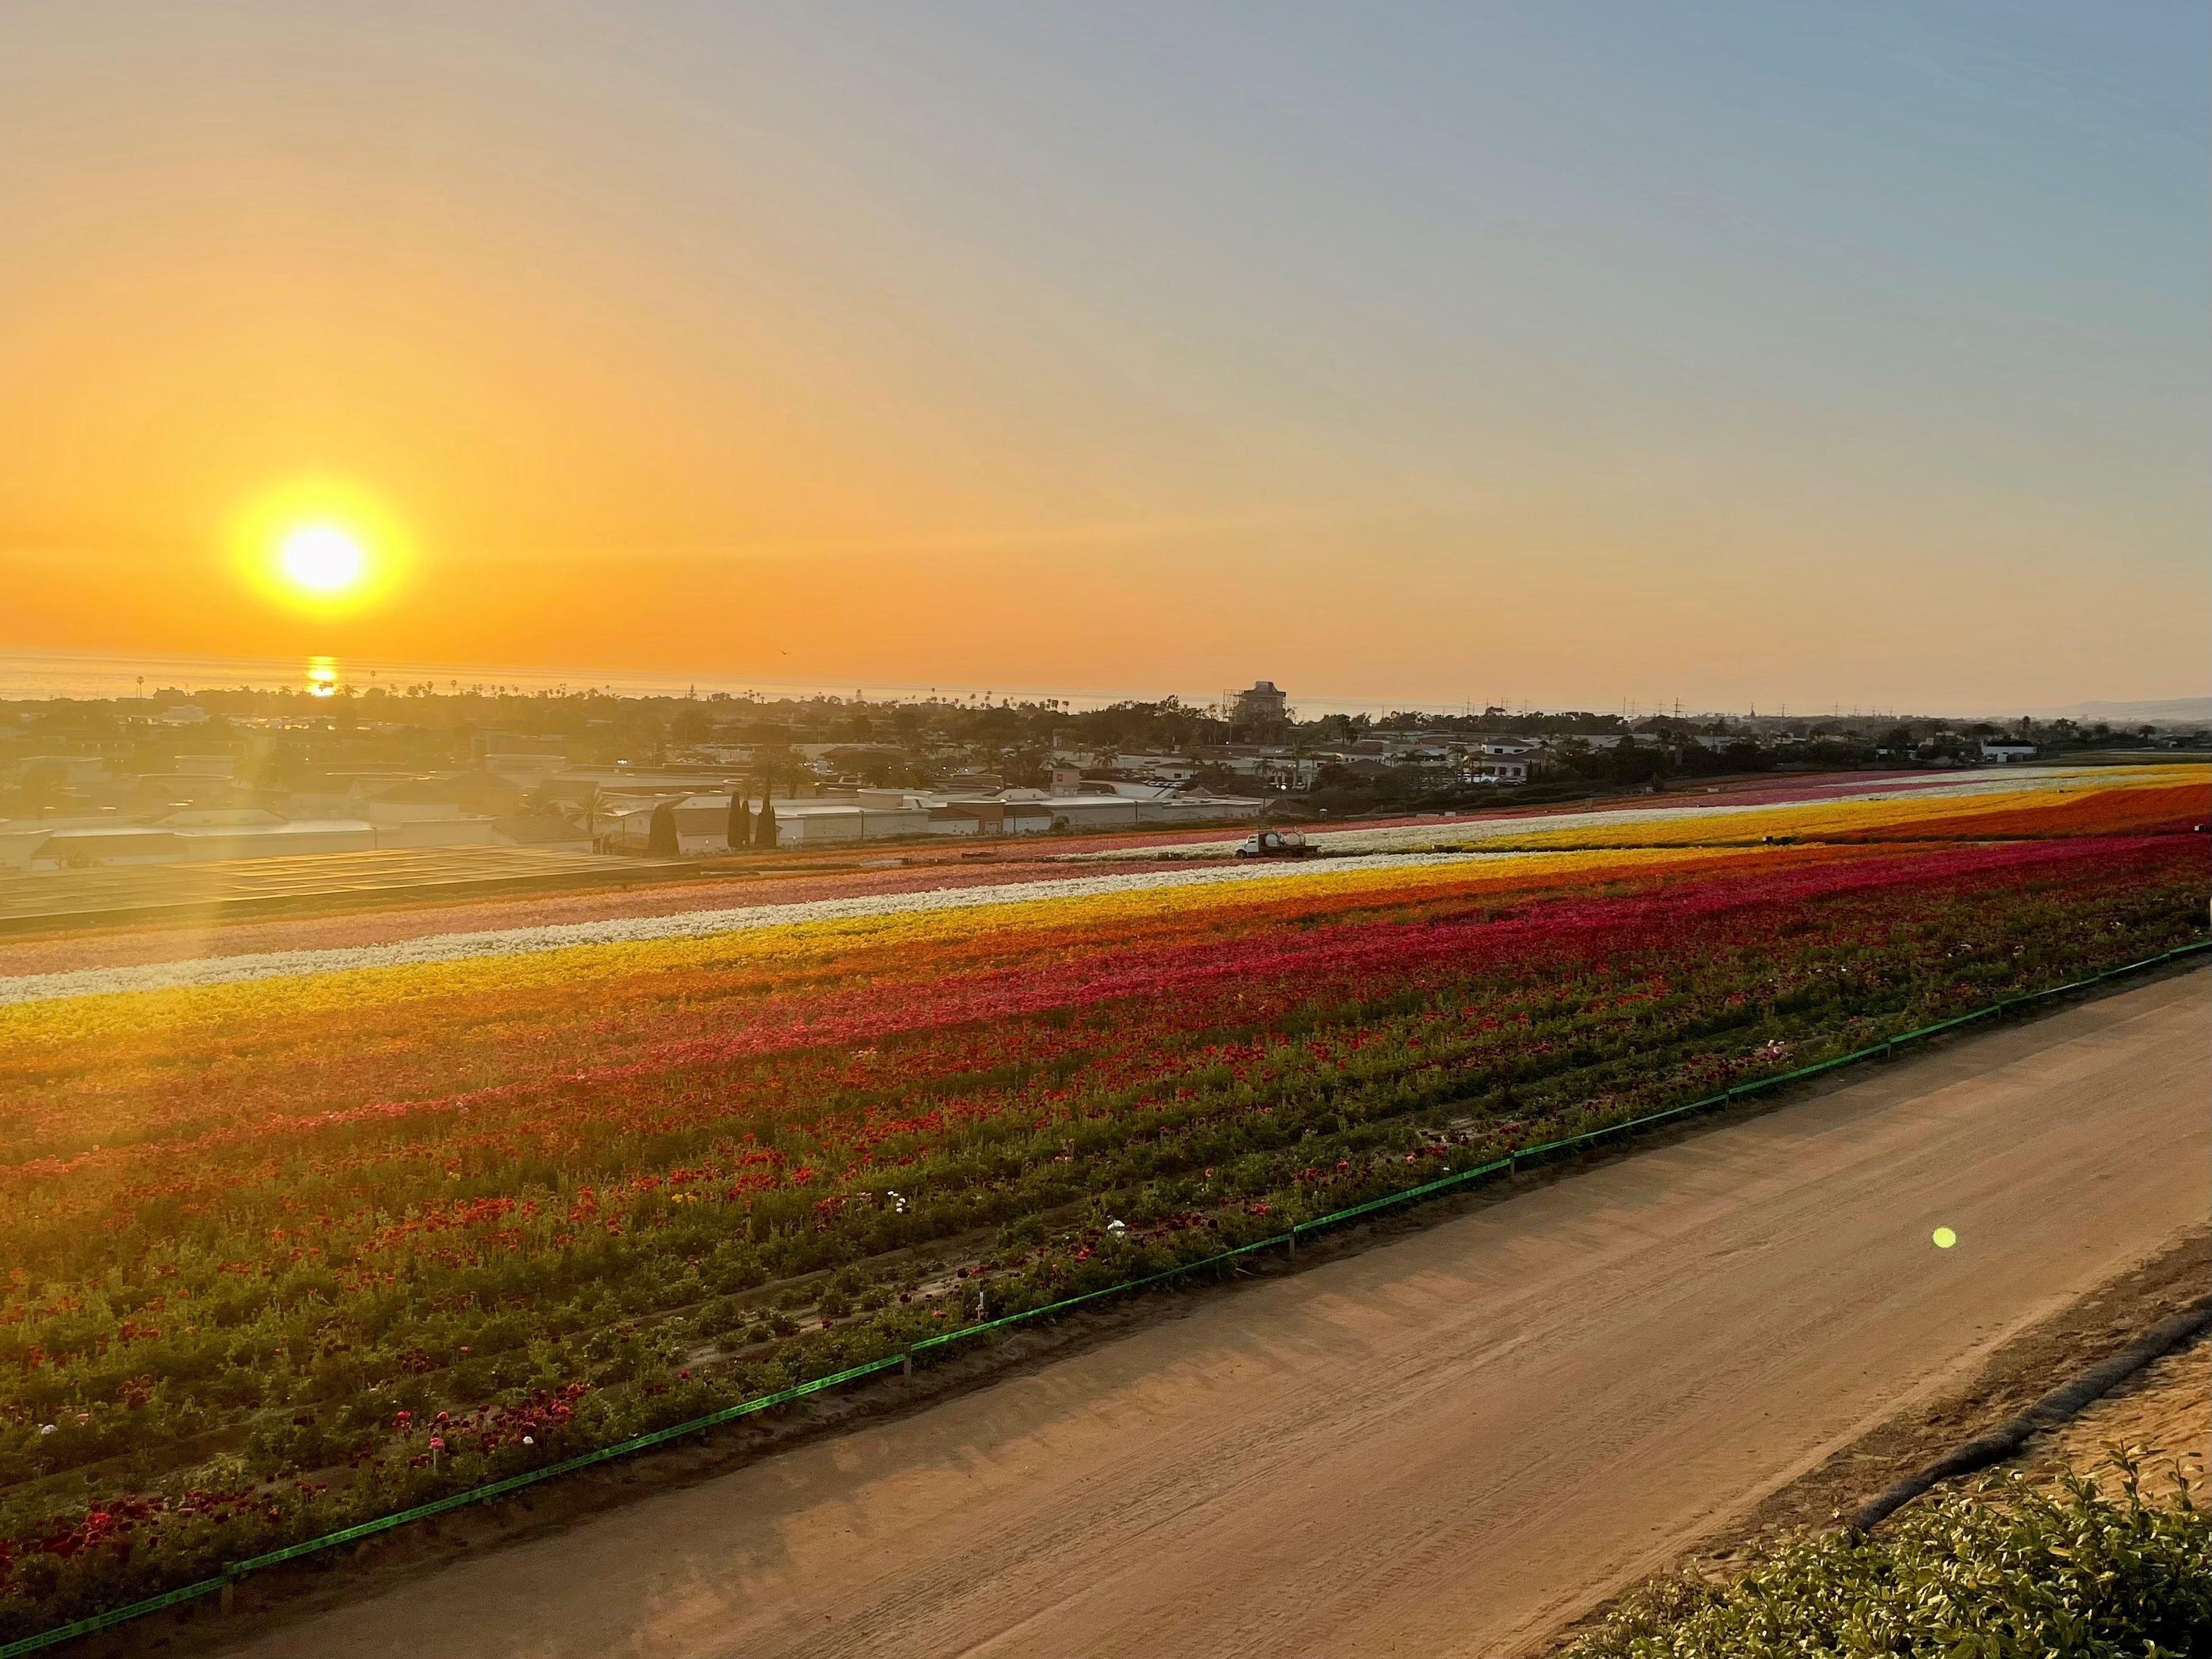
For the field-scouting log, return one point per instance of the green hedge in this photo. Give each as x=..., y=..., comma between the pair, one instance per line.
x=2002, y=1571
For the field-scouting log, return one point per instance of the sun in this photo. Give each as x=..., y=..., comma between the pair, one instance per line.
x=322, y=559
x=323, y=547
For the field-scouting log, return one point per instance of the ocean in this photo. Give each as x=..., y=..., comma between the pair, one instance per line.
x=39, y=676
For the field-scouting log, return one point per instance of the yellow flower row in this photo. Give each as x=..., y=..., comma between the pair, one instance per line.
x=792, y=947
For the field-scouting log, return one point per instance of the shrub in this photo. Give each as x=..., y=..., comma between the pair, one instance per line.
x=2001, y=1571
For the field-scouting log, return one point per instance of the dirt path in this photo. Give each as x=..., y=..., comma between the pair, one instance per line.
x=1446, y=1444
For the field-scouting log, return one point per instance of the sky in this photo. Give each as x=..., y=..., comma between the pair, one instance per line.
x=1746, y=353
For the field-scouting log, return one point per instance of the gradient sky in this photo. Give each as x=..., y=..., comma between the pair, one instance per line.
x=1739, y=352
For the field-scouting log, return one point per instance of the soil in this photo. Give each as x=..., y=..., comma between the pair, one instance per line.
x=2158, y=1407
x=2162, y=1416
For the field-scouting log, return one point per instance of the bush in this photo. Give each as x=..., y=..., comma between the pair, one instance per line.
x=1997, y=1573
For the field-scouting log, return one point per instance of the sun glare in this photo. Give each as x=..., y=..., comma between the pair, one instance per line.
x=322, y=546
x=322, y=558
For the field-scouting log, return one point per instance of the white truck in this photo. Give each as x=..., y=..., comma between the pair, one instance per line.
x=1276, y=844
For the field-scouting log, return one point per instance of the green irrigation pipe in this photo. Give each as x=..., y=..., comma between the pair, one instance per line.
x=904, y=1360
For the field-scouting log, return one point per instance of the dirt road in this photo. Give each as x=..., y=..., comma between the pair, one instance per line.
x=1446, y=1444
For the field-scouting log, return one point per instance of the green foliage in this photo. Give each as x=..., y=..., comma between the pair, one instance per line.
x=2001, y=1572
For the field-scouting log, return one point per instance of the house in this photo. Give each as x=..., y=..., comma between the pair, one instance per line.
x=1148, y=765
x=1265, y=704
x=1499, y=769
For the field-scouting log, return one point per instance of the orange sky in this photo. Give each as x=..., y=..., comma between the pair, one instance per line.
x=1060, y=353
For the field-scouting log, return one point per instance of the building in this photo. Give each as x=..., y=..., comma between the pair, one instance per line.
x=702, y=824
x=1090, y=814
x=1155, y=769
x=1264, y=704
x=2008, y=754
x=456, y=794
x=1499, y=769
x=518, y=756
x=810, y=822
x=992, y=817
x=544, y=832
x=1033, y=811
x=201, y=835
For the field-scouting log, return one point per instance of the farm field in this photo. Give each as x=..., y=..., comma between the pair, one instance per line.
x=859, y=870
x=1449, y=1442
x=2035, y=804
x=301, y=1236
x=45, y=898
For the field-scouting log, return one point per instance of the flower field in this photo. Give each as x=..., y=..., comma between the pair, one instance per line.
x=2055, y=801
x=297, y=1239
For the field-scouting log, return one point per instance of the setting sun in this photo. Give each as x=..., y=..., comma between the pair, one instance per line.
x=322, y=545
x=322, y=558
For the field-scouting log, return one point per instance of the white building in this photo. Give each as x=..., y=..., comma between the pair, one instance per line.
x=1498, y=768
x=202, y=836
x=810, y=822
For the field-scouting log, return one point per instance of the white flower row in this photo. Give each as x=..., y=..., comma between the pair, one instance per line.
x=690, y=924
